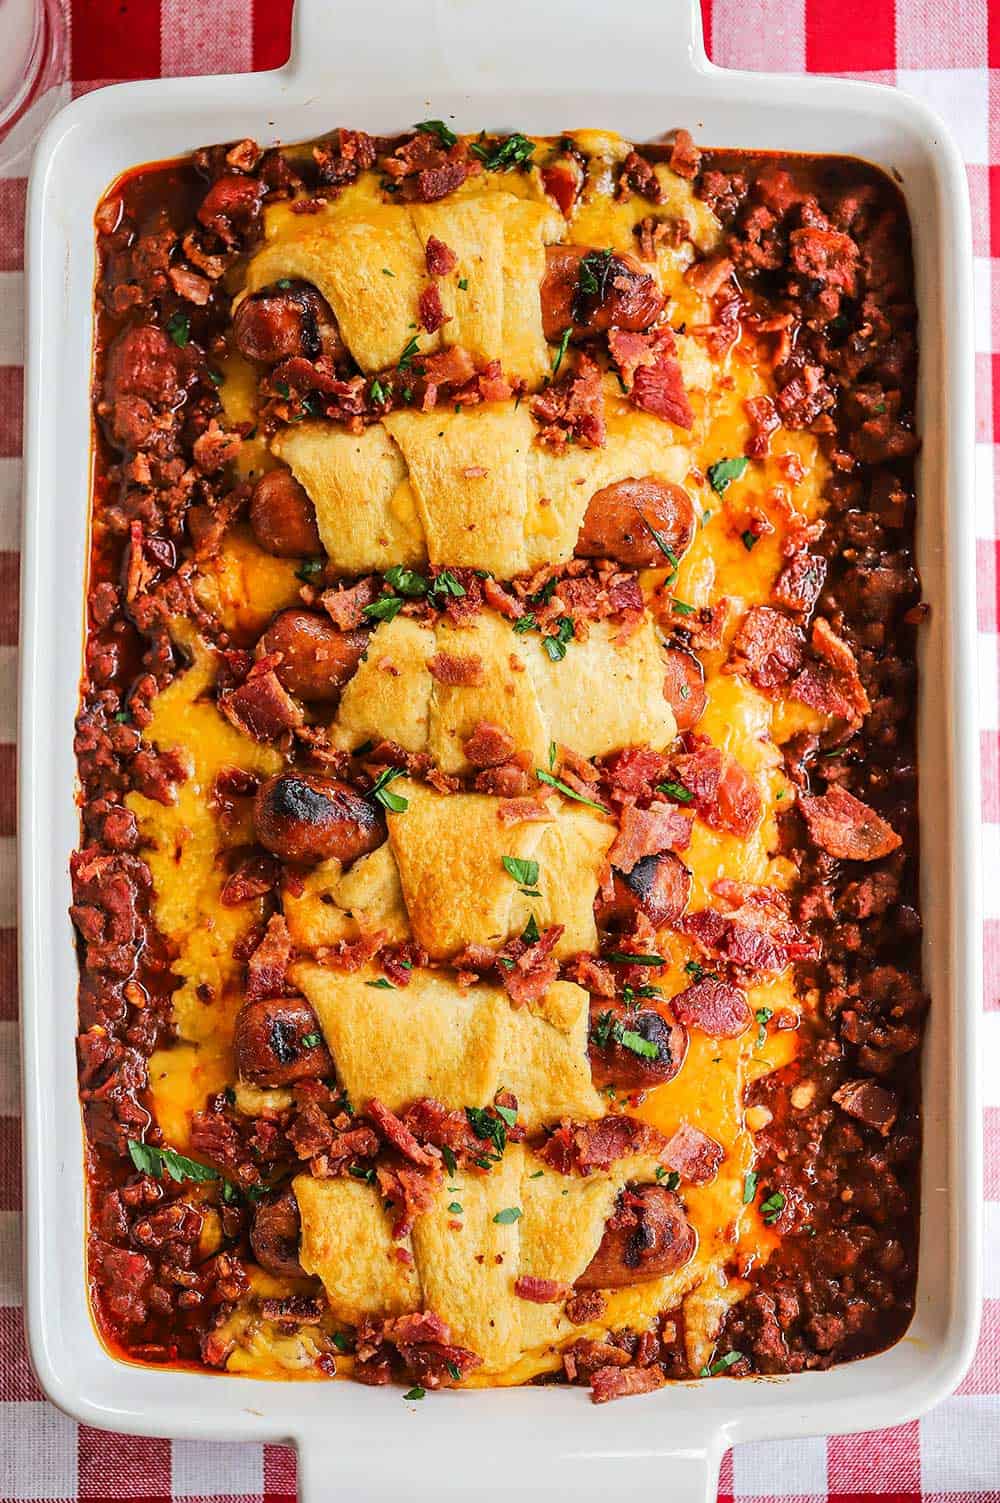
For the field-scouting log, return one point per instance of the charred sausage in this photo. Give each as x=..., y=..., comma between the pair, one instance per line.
x=317, y=659
x=648, y=1236
x=281, y=322
x=282, y=516
x=595, y=290
x=684, y=686
x=646, y=524
x=278, y=1041
x=274, y=1236
x=307, y=817
x=658, y=886
x=613, y=1062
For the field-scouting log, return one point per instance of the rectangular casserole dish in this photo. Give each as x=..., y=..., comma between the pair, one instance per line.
x=380, y=72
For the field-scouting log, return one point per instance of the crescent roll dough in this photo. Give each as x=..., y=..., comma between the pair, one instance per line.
x=466, y=1263
x=604, y=695
x=370, y=265
x=469, y=488
x=459, y=1045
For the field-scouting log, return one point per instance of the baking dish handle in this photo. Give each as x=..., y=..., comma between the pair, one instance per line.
x=433, y=1473
x=441, y=43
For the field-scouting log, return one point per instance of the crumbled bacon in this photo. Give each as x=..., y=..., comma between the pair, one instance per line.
x=768, y=648
x=413, y=1190
x=426, y=171
x=654, y=231
x=267, y=968
x=260, y=707
x=345, y=607
x=638, y=176
x=432, y=314
x=509, y=781
x=714, y=1006
x=581, y=1148
x=710, y=275
x=609, y=1383
x=519, y=811
x=215, y=448
x=534, y=969
x=764, y=421
x=395, y=1131
x=448, y=668
x=800, y=582
x=489, y=745
x=647, y=832
x=353, y=154
x=253, y=878
x=843, y=826
x=572, y=409
x=635, y=771
x=440, y=258
x=540, y=1291
x=755, y=935
x=692, y=1154
x=651, y=372
x=685, y=158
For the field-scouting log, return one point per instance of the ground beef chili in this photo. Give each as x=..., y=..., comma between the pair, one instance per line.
x=815, y=258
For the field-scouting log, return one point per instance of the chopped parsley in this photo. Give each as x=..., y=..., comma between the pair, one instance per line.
x=725, y=471
x=444, y=133
x=636, y=1044
x=525, y=872
x=664, y=547
x=415, y=1393
x=682, y=608
x=154, y=1161
x=729, y=1360
x=385, y=608
x=341, y=1342
x=552, y=754
x=406, y=581
x=514, y=151
x=412, y=348
x=455, y=1207
x=311, y=1040
x=623, y=957
x=609, y=1029
x=454, y=1371
x=555, y=646
x=524, y=624
x=377, y=391
x=669, y=1180
x=122, y=717
x=749, y=1186
x=488, y=1128
x=387, y=273
x=383, y=984
x=772, y=1207
x=368, y=1175
x=560, y=352
x=750, y=540
x=310, y=569
x=450, y=1161
x=179, y=329
x=463, y=284
x=538, y=1174
x=594, y=274
x=675, y=791
x=380, y=792
x=508, y=1216
x=216, y=377
x=445, y=583
x=567, y=791
x=507, y=1113
x=531, y=935
x=762, y=1017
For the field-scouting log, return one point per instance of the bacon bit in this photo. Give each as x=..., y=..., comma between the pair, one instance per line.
x=501, y=599
x=843, y=826
x=354, y=154
x=710, y=275
x=440, y=258
x=351, y=954
x=267, y=968
x=714, y=1006
x=638, y=176
x=521, y=811
x=424, y=1342
x=540, y=1291
x=489, y=745
x=140, y=574
x=595, y=976
x=563, y=182
x=572, y=409
x=868, y=1102
x=452, y=670
x=579, y=1149
x=609, y=1383
x=653, y=232
x=740, y=807
x=767, y=647
x=800, y=582
x=651, y=371
x=757, y=935
x=510, y=781
x=425, y=171
x=260, y=707
x=836, y=653
x=411, y=1188
x=215, y=448
x=635, y=771
x=764, y=421
x=534, y=970
x=432, y=314
x=189, y=285
x=253, y=878
x=692, y=1154
x=647, y=832
x=345, y=608
x=685, y=158
x=395, y=1131
x=585, y=1307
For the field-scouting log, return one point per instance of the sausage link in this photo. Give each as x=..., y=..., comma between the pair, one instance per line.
x=622, y=519
x=658, y=886
x=614, y=1063
x=317, y=659
x=269, y=1043
x=610, y=291
x=684, y=686
x=283, y=518
x=648, y=1236
x=307, y=817
x=281, y=322
x=274, y=1236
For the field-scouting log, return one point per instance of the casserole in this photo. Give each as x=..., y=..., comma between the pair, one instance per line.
x=690, y=1425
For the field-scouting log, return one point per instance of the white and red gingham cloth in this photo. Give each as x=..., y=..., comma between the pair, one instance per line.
x=948, y=53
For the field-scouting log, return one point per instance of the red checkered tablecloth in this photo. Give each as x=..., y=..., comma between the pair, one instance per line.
x=946, y=52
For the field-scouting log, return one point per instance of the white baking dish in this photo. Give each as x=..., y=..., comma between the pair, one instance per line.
x=381, y=65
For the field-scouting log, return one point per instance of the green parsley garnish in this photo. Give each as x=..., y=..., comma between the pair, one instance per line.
x=412, y=348
x=455, y=1207
x=152, y=1160
x=524, y=624
x=567, y=791
x=463, y=284
x=595, y=269
x=379, y=791
x=450, y=1161
x=311, y=1040
x=179, y=329
x=525, y=872
x=514, y=151
x=385, y=608
x=749, y=1186
x=341, y=1342
x=555, y=646
x=538, y=1174
x=772, y=1208
x=531, y=935
x=750, y=540
x=368, y=1175
x=406, y=581
x=636, y=1044
x=725, y=471
x=122, y=717
x=507, y=1113
x=560, y=352
x=445, y=583
x=762, y=1017
x=682, y=608
x=415, y=1393
x=489, y=1128
x=216, y=378
x=670, y=1180
x=310, y=569
x=377, y=391
x=676, y=791
x=387, y=273
x=663, y=545
x=383, y=984
x=552, y=754
x=508, y=1216
x=454, y=1371
x=444, y=133
x=729, y=1360
x=623, y=957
